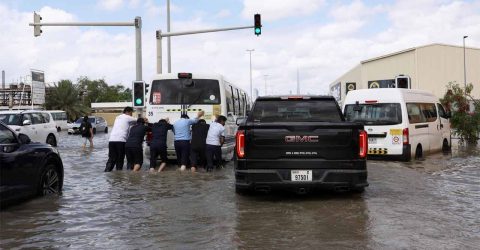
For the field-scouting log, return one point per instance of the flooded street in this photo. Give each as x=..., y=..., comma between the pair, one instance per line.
x=429, y=204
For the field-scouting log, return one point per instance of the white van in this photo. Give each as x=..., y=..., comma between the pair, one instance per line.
x=38, y=125
x=401, y=123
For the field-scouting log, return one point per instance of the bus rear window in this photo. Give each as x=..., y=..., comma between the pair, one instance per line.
x=374, y=114
x=185, y=91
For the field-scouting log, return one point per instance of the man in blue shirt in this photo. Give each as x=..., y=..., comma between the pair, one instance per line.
x=182, y=138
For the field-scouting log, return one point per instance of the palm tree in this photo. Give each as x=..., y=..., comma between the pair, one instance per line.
x=65, y=96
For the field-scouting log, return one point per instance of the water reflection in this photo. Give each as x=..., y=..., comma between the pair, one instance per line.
x=433, y=203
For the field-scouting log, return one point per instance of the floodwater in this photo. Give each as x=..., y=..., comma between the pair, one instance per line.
x=429, y=204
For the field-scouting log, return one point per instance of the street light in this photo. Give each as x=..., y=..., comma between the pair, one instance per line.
x=464, y=65
x=251, y=88
x=265, y=77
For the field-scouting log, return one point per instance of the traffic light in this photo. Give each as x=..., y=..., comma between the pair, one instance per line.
x=37, y=29
x=138, y=94
x=258, y=24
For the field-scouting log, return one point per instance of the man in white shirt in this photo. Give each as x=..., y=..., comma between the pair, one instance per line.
x=118, y=137
x=214, y=141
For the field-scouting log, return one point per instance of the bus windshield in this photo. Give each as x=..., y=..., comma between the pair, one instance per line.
x=185, y=91
x=374, y=114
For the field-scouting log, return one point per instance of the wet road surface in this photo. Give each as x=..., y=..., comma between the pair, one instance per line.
x=429, y=204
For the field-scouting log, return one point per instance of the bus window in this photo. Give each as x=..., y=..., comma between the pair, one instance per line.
x=233, y=100
x=240, y=104
x=185, y=91
x=228, y=98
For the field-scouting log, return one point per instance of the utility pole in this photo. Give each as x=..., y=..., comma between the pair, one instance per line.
x=168, y=39
x=251, y=80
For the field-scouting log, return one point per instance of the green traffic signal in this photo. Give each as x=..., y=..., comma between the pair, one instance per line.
x=138, y=101
x=258, y=31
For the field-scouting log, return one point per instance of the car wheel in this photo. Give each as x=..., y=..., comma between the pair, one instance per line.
x=49, y=181
x=94, y=130
x=358, y=190
x=51, y=140
x=106, y=130
x=59, y=129
x=418, y=152
x=243, y=191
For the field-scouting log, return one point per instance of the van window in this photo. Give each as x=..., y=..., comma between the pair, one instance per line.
x=185, y=91
x=374, y=114
x=415, y=115
x=441, y=111
x=430, y=111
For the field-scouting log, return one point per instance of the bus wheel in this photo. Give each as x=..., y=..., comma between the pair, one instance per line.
x=418, y=152
x=445, y=147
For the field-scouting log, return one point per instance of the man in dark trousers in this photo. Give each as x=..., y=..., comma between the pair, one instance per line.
x=133, y=145
x=86, y=131
x=214, y=141
x=118, y=137
x=181, y=129
x=158, y=144
x=198, y=144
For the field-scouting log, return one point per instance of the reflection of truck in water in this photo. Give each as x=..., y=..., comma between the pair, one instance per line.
x=171, y=95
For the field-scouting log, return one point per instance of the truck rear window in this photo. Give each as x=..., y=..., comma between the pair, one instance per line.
x=296, y=111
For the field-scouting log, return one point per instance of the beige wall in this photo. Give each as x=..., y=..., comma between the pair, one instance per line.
x=430, y=68
x=389, y=68
x=439, y=64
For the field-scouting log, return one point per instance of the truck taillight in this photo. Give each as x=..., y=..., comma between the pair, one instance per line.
x=363, y=144
x=405, y=136
x=240, y=144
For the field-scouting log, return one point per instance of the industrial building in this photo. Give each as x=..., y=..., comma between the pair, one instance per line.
x=430, y=67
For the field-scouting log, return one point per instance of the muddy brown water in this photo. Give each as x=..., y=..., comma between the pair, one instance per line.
x=428, y=204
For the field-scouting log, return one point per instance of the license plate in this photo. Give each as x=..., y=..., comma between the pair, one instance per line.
x=372, y=140
x=301, y=175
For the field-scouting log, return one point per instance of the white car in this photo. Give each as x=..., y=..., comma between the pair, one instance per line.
x=38, y=125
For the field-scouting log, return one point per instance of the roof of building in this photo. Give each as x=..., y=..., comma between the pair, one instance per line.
x=411, y=49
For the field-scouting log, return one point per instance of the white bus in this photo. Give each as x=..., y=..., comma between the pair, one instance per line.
x=60, y=118
x=401, y=123
x=171, y=95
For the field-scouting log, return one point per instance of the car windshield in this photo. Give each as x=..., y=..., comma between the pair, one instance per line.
x=374, y=114
x=185, y=91
x=11, y=119
x=80, y=120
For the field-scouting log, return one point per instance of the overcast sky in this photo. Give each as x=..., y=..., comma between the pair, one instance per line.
x=323, y=39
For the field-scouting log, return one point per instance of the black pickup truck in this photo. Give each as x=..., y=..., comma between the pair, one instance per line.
x=299, y=143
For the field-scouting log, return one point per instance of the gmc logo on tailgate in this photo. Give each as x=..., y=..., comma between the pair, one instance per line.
x=299, y=138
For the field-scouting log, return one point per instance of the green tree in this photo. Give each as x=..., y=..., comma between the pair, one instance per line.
x=66, y=96
x=466, y=123
x=100, y=91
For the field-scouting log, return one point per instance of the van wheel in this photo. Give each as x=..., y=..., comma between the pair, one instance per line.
x=418, y=152
x=51, y=140
x=106, y=130
x=445, y=147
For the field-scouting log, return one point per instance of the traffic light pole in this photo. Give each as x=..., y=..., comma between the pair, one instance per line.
x=160, y=35
x=138, y=39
